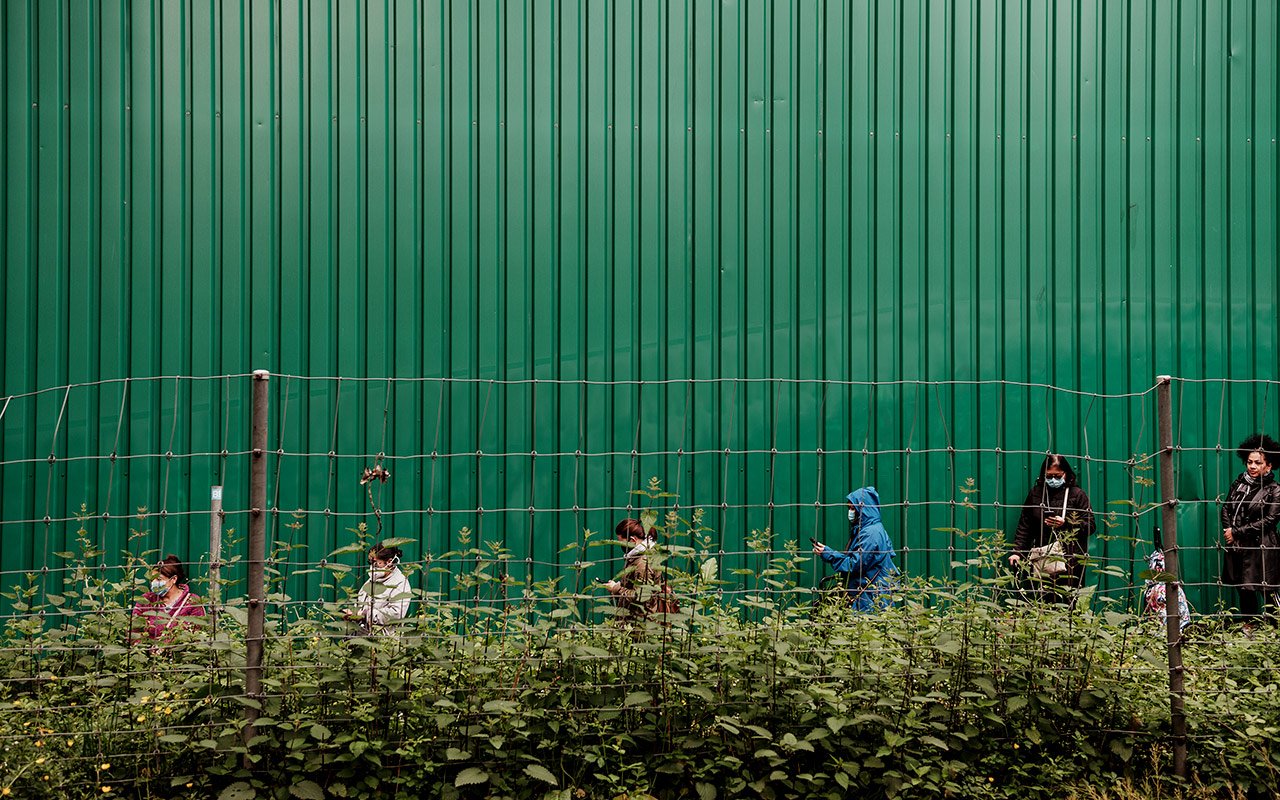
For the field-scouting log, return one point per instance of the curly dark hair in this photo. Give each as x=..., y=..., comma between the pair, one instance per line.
x=1260, y=443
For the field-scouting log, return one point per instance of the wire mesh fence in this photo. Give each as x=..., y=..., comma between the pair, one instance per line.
x=502, y=497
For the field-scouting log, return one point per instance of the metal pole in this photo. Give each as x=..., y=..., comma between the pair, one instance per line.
x=215, y=545
x=1173, y=589
x=257, y=553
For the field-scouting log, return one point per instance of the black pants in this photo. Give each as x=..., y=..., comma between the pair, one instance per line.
x=1253, y=604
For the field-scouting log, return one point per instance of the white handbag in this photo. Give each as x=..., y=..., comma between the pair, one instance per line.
x=1050, y=560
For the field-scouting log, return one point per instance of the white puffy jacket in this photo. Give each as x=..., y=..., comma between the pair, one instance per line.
x=384, y=600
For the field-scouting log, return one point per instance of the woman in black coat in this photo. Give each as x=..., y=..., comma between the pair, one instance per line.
x=1056, y=507
x=1251, y=561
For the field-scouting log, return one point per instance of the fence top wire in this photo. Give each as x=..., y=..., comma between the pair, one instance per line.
x=625, y=382
x=721, y=380
x=122, y=381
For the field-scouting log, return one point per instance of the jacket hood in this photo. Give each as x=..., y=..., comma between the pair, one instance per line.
x=867, y=501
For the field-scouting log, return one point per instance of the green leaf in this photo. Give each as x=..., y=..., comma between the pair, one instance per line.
x=638, y=699
x=307, y=790
x=173, y=738
x=950, y=647
x=454, y=754
x=501, y=707
x=701, y=692
x=320, y=732
x=1122, y=749
x=541, y=773
x=706, y=791
x=238, y=791
x=470, y=776
x=708, y=573
x=355, y=547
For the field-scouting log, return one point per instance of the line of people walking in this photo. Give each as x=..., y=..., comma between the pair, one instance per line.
x=1050, y=548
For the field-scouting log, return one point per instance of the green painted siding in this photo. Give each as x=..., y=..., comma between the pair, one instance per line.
x=1081, y=194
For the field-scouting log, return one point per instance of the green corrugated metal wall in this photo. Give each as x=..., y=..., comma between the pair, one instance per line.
x=1076, y=193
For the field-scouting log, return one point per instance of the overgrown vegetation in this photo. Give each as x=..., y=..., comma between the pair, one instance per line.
x=511, y=690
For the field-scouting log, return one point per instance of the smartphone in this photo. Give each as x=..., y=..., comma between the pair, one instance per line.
x=815, y=541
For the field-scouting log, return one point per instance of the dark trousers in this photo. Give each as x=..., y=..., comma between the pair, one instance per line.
x=1253, y=604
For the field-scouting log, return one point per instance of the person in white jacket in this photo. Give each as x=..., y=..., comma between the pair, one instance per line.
x=384, y=598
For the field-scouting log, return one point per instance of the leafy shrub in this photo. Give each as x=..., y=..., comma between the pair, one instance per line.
x=958, y=691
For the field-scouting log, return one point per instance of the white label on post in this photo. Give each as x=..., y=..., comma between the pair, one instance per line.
x=217, y=492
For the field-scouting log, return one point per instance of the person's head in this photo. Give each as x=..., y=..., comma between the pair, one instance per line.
x=629, y=530
x=1056, y=472
x=384, y=559
x=863, y=506
x=168, y=574
x=1260, y=454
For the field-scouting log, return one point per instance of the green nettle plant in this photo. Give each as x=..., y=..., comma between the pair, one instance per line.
x=502, y=687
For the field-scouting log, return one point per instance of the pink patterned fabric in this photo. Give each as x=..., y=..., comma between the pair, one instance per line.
x=162, y=618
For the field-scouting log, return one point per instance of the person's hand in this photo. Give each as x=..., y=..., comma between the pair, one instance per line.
x=613, y=586
x=819, y=548
x=1015, y=560
x=1227, y=534
x=350, y=614
x=1054, y=522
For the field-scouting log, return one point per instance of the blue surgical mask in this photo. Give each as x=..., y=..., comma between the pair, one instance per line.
x=1055, y=483
x=159, y=586
x=853, y=514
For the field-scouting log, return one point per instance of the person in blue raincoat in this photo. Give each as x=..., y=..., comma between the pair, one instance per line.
x=866, y=563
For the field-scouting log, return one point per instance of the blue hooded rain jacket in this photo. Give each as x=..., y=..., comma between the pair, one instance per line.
x=868, y=561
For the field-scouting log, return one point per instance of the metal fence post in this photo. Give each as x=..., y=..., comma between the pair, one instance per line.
x=257, y=554
x=1173, y=589
x=215, y=545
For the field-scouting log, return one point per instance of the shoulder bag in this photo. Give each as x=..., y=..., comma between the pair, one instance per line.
x=1050, y=560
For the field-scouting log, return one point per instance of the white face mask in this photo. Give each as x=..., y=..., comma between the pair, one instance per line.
x=1055, y=483
x=853, y=514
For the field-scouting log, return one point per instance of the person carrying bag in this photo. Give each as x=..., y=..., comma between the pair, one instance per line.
x=1053, y=530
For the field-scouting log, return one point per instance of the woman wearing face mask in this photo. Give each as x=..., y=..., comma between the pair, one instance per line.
x=169, y=601
x=1251, y=561
x=641, y=588
x=1056, y=509
x=384, y=598
x=866, y=563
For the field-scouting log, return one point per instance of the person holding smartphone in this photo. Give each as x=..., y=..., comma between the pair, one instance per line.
x=1056, y=510
x=641, y=588
x=866, y=563
x=384, y=599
